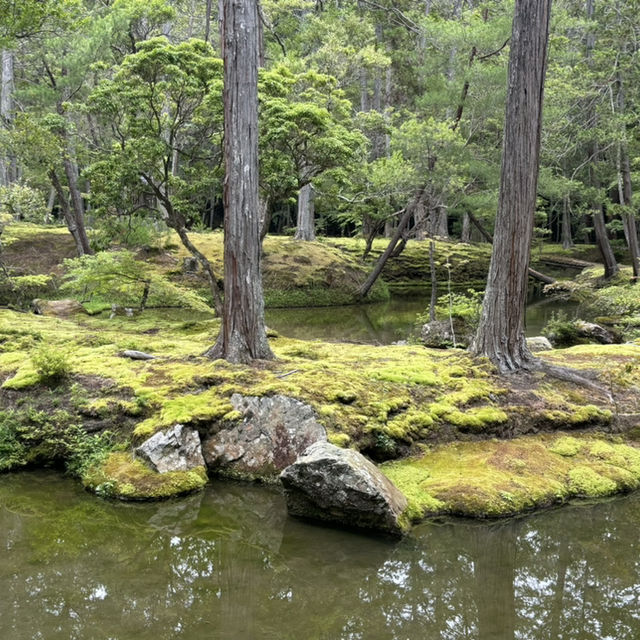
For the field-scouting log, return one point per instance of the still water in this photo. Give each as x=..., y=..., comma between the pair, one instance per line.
x=229, y=564
x=384, y=322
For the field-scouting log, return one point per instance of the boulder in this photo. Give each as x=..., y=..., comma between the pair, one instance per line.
x=273, y=433
x=538, y=343
x=438, y=334
x=174, y=449
x=57, y=308
x=596, y=333
x=342, y=486
x=132, y=354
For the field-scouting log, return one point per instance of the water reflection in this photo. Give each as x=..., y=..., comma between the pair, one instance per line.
x=229, y=564
x=384, y=322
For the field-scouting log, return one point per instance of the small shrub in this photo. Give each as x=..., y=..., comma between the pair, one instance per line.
x=51, y=363
x=561, y=331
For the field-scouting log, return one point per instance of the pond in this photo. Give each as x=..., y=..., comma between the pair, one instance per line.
x=384, y=322
x=228, y=564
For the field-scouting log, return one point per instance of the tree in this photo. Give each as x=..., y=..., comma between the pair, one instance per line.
x=500, y=334
x=243, y=336
x=163, y=105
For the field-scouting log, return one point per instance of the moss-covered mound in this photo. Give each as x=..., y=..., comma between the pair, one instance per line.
x=70, y=398
x=502, y=478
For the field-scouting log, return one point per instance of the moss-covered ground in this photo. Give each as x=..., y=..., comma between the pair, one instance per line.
x=389, y=402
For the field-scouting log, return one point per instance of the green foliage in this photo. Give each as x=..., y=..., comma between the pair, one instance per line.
x=116, y=277
x=561, y=330
x=51, y=363
x=22, y=203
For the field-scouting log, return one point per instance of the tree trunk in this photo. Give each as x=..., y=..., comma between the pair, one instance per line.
x=77, y=205
x=628, y=219
x=441, y=222
x=392, y=247
x=242, y=336
x=611, y=267
x=69, y=218
x=465, y=235
x=500, y=334
x=420, y=221
x=207, y=20
x=7, y=163
x=567, y=238
x=305, y=228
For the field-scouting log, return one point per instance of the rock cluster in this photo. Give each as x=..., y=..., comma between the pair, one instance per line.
x=274, y=431
x=174, y=449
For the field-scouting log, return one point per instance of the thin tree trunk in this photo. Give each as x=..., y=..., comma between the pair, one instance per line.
x=420, y=221
x=465, y=235
x=500, y=334
x=265, y=216
x=305, y=228
x=50, y=204
x=77, y=205
x=567, y=238
x=207, y=21
x=392, y=247
x=7, y=163
x=434, y=282
x=243, y=335
x=611, y=267
x=628, y=219
x=441, y=226
x=69, y=218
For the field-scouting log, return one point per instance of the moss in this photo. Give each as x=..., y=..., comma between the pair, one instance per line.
x=585, y=482
x=502, y=478
x=339, y=439
x=125, y=477
x=566, y=446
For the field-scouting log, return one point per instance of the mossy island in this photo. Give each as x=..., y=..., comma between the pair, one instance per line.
x=454, y=436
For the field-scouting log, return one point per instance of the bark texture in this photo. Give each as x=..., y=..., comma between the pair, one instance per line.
x=305, y=229
x=500, y=334
x=8, y=169
x=243, y=335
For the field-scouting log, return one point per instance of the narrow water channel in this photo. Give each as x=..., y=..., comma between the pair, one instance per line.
x=228, y=564
x=384, y=322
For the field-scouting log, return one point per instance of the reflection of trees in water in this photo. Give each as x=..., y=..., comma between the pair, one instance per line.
x=228, y=564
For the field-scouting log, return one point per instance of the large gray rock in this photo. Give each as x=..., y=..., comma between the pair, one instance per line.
x=342, y=486
x=273, y=433
x=538, y=343
x=175, y=449
x=57, y=308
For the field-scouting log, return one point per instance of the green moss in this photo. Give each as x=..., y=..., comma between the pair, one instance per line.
x=122, y=476
x=339, y=439
x=585, y=482
x=501, y=478
x=566, y=446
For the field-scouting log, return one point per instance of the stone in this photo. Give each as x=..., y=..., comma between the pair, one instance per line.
x=57, y=308
x=274, y=431
x=190, y=265
x=137, y=355
x=438, y=334
x=341, y=486
x=174, y=449
x=596, y=333
x=538, y=343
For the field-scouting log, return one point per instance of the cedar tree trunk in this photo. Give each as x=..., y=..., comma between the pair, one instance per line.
x=500, y=334
x=242, y=336
x=305, y=229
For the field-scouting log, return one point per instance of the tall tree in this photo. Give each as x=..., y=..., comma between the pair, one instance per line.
x=500, y=334
x=243, y=336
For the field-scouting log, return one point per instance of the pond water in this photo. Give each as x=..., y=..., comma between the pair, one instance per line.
x=228, y=564
x=384, y=322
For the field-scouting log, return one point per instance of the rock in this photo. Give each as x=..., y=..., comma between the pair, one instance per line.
x=596, y=333
x=175, y=449
x=57, y=308
x=538, y=343
x=137, y=355
x=190, y=265
x=438, y=334
x=342, y=486
x=273, y=433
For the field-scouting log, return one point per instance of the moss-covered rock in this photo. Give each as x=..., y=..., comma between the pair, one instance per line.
x=122, y=476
